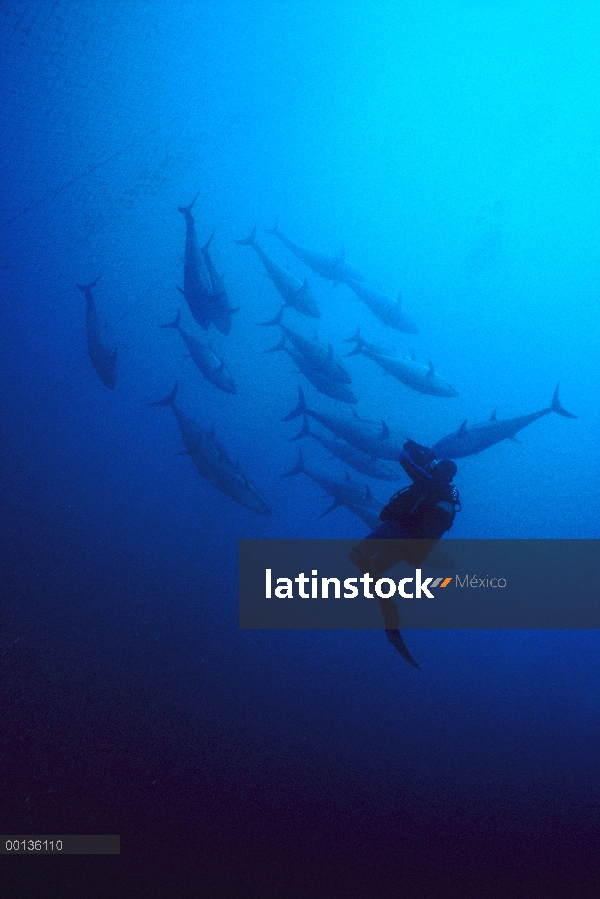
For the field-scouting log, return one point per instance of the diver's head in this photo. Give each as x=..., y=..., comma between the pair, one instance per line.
x=444, y=471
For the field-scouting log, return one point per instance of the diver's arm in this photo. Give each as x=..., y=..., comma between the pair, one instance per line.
x=414, y=471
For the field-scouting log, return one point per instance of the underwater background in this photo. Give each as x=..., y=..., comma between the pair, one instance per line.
x=452, y=149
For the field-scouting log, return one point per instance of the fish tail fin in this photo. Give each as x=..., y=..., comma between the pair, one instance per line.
x=556, y=406
x=185, y=209
x=85, y=288
x=300, y=408
x=175, y=322
x=249, y=241
x=208, y=242
x=298, y=468
x=169, y=400
x=305, y=432
x=276, y=320
x=356, y=338
x=273, y=230
x=280, y=346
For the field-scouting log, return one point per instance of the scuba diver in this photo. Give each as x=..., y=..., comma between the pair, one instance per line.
x=422, y=512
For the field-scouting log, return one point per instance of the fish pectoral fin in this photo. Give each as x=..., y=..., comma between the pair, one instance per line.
x=335, y=504
x=514, y=439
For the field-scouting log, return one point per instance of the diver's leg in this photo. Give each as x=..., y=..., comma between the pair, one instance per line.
x=395, y=638
x=378, y=557
x=388, y=530
x=391, y=623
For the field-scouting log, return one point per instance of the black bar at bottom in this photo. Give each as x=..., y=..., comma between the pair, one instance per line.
x=69, y=844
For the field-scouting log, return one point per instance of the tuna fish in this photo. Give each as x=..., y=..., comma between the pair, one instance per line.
x=371, y=437
x=331, y=268
x=351, y=456
x=103, y=360
x=386, y=309
x=345, y=493
x=315, y=374
x=197, y=286
x=294, y=292
x=320, y=357
x=371, y=519
x=205, y=359
x=421, y=378
x=468, y=441
x=221, y=310
x=212, y=461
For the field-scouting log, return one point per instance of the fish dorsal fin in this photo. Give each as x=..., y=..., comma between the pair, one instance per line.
x=514, y=439
x=221, y=366
x=463, y=426
x=368, y=494
x=304, y=287
x=431, y=372
x=355, y=413
x=385, y=431
x=493, y=415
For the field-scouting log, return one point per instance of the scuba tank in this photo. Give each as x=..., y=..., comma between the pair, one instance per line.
x=425, y=512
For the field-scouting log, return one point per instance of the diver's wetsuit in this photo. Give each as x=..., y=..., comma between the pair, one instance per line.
x=422, y=512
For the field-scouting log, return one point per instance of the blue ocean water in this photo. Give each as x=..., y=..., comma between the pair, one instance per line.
x=451, y=148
